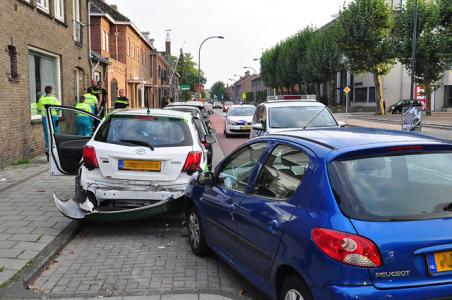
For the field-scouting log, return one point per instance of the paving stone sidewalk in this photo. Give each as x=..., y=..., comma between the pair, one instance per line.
x=145, y=258
x=358, y=121
x=29, y=220
x=158, y=297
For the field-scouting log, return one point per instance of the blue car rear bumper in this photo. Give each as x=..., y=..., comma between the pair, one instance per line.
x=442, y=292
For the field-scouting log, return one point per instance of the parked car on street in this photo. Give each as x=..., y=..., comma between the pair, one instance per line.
x=397, y=108
x=205, y=112
x=206, y=135
x=226, y=106
x=136, y=164
x=217, y=104
x=238, y=119
x=327, y=214
x=280, y=115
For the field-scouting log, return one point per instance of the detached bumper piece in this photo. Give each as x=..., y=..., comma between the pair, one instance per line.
x=71, y=209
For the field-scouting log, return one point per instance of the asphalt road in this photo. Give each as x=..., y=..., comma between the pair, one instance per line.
x=227, y=144
x=141, y=258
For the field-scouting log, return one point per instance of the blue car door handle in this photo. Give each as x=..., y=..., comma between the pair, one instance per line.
x=273, y=226
x=232, y=209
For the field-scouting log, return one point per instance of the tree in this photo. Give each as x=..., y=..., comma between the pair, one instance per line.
x=430, y=61
x=323, y=54
x=445, y=19
x=218, y=91
x=188, y=72
x=365, y=28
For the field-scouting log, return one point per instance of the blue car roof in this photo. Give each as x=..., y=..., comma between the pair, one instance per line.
x=339, y=138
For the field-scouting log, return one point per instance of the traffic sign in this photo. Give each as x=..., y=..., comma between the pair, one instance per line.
x=347, y=90
x=184, y=87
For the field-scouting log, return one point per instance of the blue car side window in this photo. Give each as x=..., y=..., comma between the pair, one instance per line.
x=282, y=173
x=236, y=173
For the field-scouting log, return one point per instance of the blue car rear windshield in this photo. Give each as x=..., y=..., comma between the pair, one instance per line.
x=131, y=130
x=394, y=188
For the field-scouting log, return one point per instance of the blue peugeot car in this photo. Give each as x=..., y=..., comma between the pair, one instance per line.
x=331, y=214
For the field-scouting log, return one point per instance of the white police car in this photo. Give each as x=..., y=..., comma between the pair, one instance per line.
x=281, y=113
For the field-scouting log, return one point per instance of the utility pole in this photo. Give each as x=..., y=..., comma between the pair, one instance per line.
x=413, y=50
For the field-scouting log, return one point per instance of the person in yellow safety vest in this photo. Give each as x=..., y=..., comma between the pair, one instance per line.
x=121, y=101
x=83, y=121
x=92, y=101
x=44, y=101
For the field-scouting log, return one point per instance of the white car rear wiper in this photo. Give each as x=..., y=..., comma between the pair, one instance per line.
x=138, y=143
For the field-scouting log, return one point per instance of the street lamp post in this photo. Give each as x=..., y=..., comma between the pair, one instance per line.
x=199, y=56
x=413, y=50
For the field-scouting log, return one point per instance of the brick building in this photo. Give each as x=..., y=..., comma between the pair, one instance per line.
x=43, y=42
x=242, y=87
x=125, y=58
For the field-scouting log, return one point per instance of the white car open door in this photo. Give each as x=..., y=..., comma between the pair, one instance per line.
x=69, y=130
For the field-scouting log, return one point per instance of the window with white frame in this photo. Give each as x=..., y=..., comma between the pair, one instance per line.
x=105, y=41
x=43, y=5
x=43, y=70
x=59, y=9
x=76, y=20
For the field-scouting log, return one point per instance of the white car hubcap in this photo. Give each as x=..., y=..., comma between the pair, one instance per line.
x=293, y=295
x=194, y=230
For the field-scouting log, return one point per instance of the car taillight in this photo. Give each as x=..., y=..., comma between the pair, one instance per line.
x=347, y=248
x=193, y=162
x=89, y=158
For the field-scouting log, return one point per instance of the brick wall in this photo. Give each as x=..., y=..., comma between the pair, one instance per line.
x=24, y=26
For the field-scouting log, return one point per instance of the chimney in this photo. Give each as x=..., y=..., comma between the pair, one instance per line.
x=114, y=6
x=146, y=34
x=168, y=45
x=247, y=73
x=151, y=41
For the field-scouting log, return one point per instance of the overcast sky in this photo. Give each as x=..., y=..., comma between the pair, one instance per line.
x=249, y=26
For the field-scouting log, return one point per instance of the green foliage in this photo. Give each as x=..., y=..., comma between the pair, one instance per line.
x=430, y=61
x=365, y=40
x=323, y=55
x=445, y=19
x=364, y=35
x=218, y=90
x=188, y=72
x=261, y=96
x=20, y=162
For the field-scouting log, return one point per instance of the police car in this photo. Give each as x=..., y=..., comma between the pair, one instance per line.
x=285, y=112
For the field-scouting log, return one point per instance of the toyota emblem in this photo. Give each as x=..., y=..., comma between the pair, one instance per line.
x=141, y=151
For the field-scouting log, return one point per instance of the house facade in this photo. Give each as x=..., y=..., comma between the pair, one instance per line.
x=43, y=42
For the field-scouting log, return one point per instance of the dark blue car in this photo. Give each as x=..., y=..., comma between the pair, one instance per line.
x=331, y=214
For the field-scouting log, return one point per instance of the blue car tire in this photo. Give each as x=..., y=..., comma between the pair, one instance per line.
x=196, y=236
x=294, y=288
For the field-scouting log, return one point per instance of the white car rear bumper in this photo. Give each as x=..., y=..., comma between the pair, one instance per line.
x=115, y=189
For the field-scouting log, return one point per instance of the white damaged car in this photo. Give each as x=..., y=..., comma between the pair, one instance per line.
x=136, y=164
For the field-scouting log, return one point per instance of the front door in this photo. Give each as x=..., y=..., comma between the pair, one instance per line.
x=69, y=131
x=219, y=202
x=262, y=216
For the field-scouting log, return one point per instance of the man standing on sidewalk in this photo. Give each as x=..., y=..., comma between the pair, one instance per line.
x=83, y=121
x=92, y=101
x=121, y=101
x=44, y=101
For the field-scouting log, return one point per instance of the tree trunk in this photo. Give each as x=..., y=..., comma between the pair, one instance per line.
x=379, y=101
x=428, y=97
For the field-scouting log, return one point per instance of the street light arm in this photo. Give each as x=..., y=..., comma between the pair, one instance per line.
x=254, y=70
x=199, y=55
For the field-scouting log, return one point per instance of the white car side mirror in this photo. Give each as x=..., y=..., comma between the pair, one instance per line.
x=258, y=126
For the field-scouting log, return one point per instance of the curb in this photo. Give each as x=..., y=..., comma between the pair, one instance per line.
x=16, y=286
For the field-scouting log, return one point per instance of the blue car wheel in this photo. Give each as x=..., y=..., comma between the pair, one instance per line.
x=196, y=236
x=293, y=288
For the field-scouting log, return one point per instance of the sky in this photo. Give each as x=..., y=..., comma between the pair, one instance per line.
x=248, y=26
